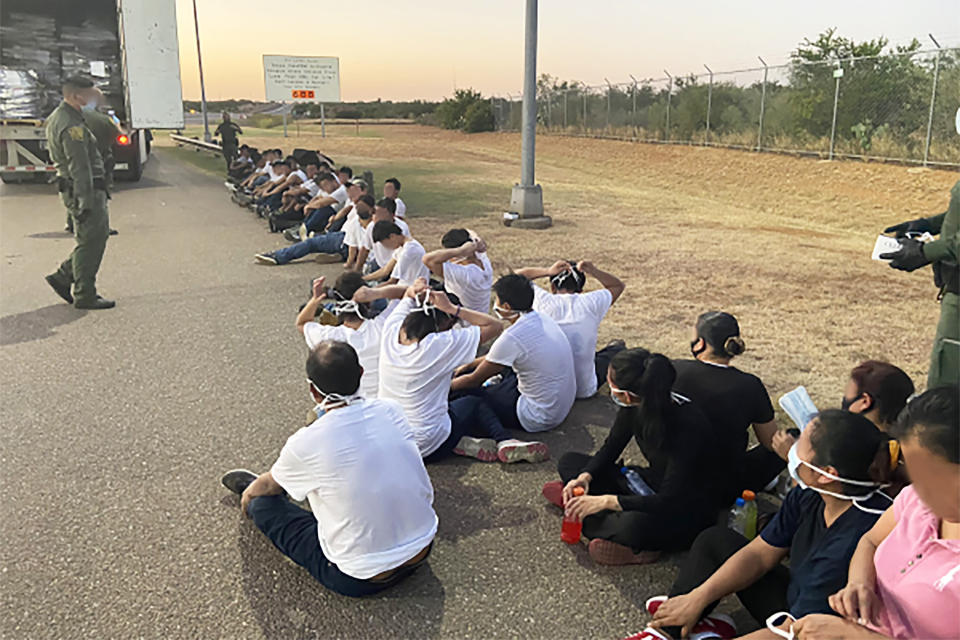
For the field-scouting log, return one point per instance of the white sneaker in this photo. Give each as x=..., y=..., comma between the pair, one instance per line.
x=483, y=449
x=518, y=450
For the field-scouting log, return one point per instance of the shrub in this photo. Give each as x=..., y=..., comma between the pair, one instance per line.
x=479, y=117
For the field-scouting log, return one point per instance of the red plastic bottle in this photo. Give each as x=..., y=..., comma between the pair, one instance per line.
x=571, y=528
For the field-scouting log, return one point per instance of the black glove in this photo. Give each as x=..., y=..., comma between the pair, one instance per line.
x=920, y=225
x=910, y=257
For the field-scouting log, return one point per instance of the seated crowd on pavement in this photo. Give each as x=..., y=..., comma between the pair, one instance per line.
x=416, y=355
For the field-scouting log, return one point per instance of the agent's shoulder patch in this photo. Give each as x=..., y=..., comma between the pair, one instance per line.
x=76, y=132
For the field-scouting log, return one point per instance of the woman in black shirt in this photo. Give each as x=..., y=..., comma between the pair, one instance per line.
x=732, y=400
x=674, y=437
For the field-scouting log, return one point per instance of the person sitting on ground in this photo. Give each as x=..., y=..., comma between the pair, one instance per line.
x=367, y=531
x=356, y=187
x=241, y=167
x=464, y=267
x=391, y=189
x=323, y=206
x=407, y=261
x=538, y=384
x=422, y=345
x=344, y=175
x=263, y=174
x=355, y=229
x=272, y=198
x=839, y=463
x=374, y=256
x=359, y=328
x=630, y=527
x=904, y=578
x=732, y=400
x=330, y=247
x=279, y=170
x=293, y=199
x=579, y=315
x=877, y=390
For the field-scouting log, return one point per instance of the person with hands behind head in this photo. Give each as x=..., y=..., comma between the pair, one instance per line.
x=840, y=463
x=904, y=577
x=464, y=267
x=579, y=315
x=422, y=346
x=680, y=499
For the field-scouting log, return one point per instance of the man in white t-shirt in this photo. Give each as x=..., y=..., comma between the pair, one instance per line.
x=391, y=189
x=538, y=385
x=356, y=187
x=579, y=315
x=406, y=264
x=365, y=531
x=422, y=346
x=374, y=256
x=324, y=206
x=464, y=267
x=354, y=230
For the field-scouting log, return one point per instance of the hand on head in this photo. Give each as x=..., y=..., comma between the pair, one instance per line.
x=584, y=265
x=559, y=267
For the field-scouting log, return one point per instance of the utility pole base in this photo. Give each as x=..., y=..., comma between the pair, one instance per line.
x=527, y=203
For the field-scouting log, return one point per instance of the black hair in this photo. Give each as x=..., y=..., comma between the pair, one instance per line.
x=333, y=367
x=311, y=162
x=291, y=160
x=455, y=238
x=889, y=387
x=648, y=377
x=516, y=290
x=933, y=418
x=346, y=170
x=78, y=83
x=368, y=200
x=384, y=229
x=721, y=331
x=571, y=280
x=389, y=204
x=418, y=325
x=347, y=284
x=279, y=152
x=255, y=156
x=280, y=163
x=852, y=445
x=394, y=182
x=244, y=146
x=325, y=176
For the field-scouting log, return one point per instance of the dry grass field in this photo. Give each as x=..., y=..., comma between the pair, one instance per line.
x=781, y=242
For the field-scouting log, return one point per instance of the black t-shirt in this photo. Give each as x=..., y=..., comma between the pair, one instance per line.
x=731, y=399
x=228, y=132
x=819, y=555
x=683, y=469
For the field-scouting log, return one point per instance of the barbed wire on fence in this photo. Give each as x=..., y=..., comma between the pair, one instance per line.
x=896, y=107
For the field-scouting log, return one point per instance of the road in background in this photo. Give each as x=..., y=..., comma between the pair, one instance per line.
x=117, y=425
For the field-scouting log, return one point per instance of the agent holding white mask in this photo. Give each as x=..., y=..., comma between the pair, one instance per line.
x=840, y=461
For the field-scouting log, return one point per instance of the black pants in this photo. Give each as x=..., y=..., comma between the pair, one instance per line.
x=710, y=550
x=639, y=530
x=760, y=467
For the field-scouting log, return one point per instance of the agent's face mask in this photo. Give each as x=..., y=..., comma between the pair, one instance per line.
x=793, y=465
x=772, y=624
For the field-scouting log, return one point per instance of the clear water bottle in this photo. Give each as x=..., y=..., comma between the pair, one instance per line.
x=737, y=518
x=636, y=482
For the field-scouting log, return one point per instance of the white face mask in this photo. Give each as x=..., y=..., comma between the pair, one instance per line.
x=330, y=400
x=617, y=401
x=504, y=314
x=772, y=625
x=793, y=465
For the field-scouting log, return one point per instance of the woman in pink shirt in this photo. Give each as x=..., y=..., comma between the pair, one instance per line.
x=904, y=578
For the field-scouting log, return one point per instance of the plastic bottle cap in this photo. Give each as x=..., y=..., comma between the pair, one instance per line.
x=740, y=502
x=749, y=495
x=624, y=469
x=578, y=491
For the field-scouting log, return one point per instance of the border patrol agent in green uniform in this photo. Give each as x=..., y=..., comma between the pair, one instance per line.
x=943, y=253
x=228, y=131
x=82, y=185
x=105, y=130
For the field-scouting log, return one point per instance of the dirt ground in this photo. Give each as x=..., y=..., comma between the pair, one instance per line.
x=781, y=242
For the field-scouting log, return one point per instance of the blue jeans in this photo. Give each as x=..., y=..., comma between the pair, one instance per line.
x=502, y=398
x=469, y=416
x=293, y=531
x=260, y=180
x=317, y=219
x=323, y=243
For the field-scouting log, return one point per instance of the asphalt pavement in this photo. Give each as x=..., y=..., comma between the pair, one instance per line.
x=118, y=424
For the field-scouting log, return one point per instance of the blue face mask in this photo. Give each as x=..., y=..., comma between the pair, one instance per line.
x=793, y=466
x=90, y=106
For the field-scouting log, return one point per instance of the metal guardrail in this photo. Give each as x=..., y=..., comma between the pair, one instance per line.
x=196, y=143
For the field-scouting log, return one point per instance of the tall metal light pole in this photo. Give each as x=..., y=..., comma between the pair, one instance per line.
x=203, y=91
x=526, y=200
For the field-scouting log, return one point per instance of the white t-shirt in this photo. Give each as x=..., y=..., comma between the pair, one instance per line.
x=365, y=341
x=418, y=375
x=340, y=195
x=368, y=521
x=401, y=211
x=578, y=315
x=268, y=169
x=300, y=173
x=410, y=265
x=536, y=349
x=353, y=232
x=471, y=283
x=379, y=252
x=312, y=187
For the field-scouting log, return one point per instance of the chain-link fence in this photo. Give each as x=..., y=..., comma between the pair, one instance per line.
x=896, y=107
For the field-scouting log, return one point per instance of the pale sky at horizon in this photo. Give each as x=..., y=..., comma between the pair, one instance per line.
x=439, y=44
